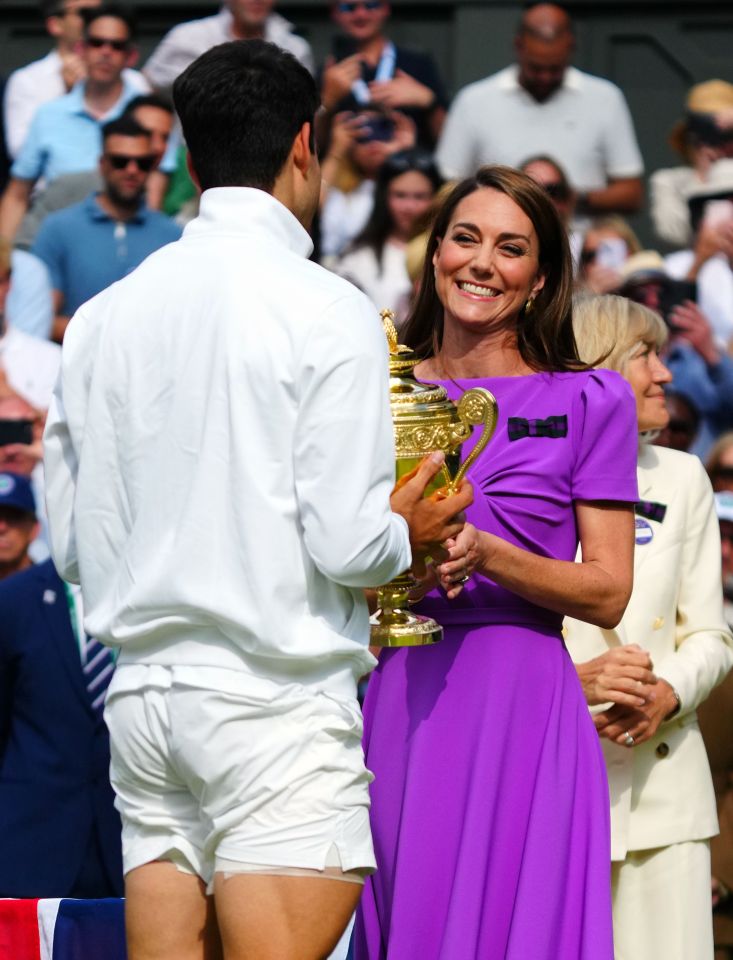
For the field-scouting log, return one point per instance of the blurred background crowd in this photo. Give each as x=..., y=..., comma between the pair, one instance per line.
x=94, y=178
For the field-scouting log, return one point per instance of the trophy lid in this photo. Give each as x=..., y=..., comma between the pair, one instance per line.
x=408, y=397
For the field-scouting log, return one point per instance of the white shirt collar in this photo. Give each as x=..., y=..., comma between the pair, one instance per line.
x=246, y=210
x=509, y=79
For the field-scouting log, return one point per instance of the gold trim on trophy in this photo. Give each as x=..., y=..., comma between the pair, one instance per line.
x=424, y=420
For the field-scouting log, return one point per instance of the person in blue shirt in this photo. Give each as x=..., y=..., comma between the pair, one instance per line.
x=91, y=244
x=65, y=134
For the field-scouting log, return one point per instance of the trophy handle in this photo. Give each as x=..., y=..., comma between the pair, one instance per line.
x=476, y=406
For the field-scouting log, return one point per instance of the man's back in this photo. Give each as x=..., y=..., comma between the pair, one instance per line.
x=244, y=363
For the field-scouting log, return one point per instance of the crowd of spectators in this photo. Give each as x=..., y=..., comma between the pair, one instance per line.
x=94, y=179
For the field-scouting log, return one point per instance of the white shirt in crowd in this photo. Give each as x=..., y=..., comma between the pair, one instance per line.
x=31, y=366
x=187, y=41
x=344, y=216
x=31, y=86
x=585, y=126
x=387, y=284
x=220, y=455
x=714, y=290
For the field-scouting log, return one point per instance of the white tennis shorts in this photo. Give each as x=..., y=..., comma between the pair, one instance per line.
x=214, y=768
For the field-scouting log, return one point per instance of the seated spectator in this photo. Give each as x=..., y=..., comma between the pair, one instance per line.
x=700, y=368
x=366, y=67
x=65, y=134
x=29, y=305
x=704, y=136
x=360, y=144
x=406, y=185
x=719, y=463
x=708, y=261
x=18, y=523
x=684, y=421
x=542, y=103
x=550, y=175
x=59, y=831
x=93, y=243
x=55, y=74
x=607, y=244
x=155, y=115
x=237, y=20
x=29, y=366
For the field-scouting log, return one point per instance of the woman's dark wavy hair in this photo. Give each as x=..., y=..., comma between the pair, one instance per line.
x=379, y=225
x=545, y=334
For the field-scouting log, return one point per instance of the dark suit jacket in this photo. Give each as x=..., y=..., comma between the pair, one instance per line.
x=54, y=752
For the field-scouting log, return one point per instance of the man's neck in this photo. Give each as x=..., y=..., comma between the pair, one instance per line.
x=121, y=212
x=241, y=31
x=99, y=98
x=8, y=569
x=371, y=50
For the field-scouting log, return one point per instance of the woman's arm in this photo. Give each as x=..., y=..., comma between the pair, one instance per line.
x=596, y=590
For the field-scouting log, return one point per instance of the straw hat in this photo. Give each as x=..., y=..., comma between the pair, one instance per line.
x=708, y=97
x=643, y=266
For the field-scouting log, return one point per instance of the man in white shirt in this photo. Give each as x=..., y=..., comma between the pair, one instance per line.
x=53, y=75
x=236, y=20
x=542, y=105
x=220, y=468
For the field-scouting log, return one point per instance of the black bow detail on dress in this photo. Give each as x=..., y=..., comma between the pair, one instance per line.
x=551, y=427
x=650, y=510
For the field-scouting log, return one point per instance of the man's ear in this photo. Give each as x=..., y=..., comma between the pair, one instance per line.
x=133, y=55
x=191, y=172
x=302, y=151
x=53, y=26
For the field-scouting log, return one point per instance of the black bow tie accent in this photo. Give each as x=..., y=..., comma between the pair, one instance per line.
x=650, y=510
x=551, y=427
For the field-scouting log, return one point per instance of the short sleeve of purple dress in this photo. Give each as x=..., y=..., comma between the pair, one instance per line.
x=490, y=802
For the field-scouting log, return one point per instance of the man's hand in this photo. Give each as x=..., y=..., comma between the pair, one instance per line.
x=689, y=323
x=641, y=723
x=401, y=91
x=621, y=675
x=338, y=78
x=21, y=457
x=72, y=69
x=432, y=519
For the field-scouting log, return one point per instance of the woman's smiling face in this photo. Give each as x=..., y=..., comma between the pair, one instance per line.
x=487, y=264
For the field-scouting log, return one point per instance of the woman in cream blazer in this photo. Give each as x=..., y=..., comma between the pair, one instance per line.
x=662, y=798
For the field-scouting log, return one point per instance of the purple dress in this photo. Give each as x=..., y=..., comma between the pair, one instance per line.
x=490, y=802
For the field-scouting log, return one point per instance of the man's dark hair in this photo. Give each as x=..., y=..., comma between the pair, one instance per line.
x=51, y=8
x=124, y=126
x=148, y=100
x=117, y=10
x=241, y=105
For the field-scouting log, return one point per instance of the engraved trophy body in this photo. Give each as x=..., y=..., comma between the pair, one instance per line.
x=425, y=420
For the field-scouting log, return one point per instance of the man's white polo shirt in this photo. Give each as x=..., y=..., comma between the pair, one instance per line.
x=585, y=126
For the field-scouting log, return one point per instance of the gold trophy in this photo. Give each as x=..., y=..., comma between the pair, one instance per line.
x=425, y=420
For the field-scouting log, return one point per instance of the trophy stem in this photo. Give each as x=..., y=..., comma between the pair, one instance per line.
x=393, y=625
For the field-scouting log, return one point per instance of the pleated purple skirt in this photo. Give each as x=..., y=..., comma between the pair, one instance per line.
x=490, y=804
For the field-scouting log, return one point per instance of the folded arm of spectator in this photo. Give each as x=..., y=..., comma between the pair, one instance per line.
x=624, y=195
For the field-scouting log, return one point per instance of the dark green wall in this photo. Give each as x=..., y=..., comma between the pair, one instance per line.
x=653, y=50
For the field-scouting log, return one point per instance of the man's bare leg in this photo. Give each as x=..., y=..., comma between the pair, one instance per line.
x=168, y=915
x=282, y=918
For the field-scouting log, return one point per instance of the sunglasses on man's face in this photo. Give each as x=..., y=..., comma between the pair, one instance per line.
x=96, y=43
x=350, y=6
x=556, y=190
x=120, y=161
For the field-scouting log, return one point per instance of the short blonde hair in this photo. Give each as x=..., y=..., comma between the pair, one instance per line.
x=609, y=328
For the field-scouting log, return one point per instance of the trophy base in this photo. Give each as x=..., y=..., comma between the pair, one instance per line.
x=399, y=628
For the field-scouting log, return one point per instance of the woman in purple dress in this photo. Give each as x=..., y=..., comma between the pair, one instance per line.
x=490, y=802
